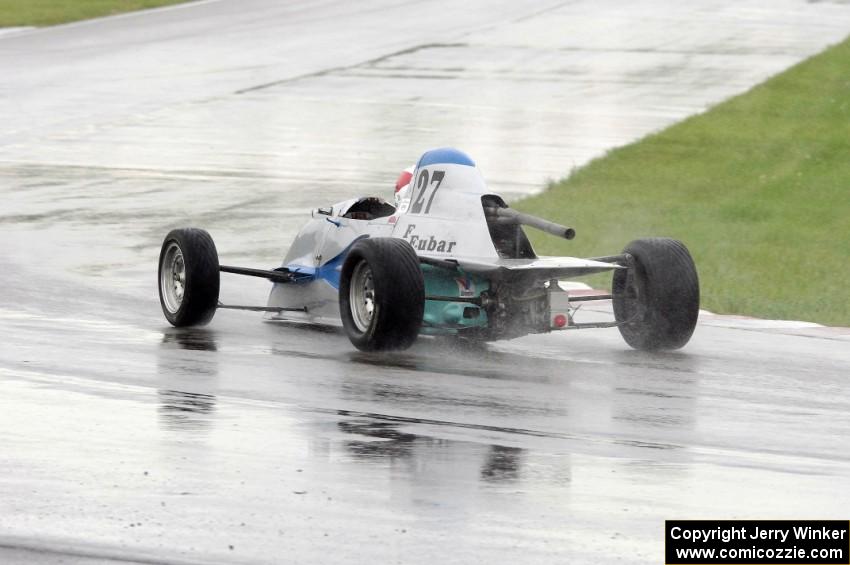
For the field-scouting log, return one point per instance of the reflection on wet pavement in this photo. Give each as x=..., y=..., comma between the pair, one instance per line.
x=503, y=464
x=387, y=442
x=193, y=339
x=185, y=410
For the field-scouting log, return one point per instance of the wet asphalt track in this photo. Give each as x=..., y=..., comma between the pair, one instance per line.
x=128, y=441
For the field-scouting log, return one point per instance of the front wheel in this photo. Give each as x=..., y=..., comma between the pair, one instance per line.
x=656, y=300
x=188, y=277
x=381, y=294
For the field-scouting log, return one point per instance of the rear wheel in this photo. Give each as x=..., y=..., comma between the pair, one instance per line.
x=657, y=299
x=381, y=294
x=188, y=277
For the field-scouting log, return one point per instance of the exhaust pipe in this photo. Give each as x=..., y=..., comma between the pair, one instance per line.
x=511, y=216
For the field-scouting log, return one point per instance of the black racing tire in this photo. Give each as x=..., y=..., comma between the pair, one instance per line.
x=188, y=277
x=657, y=300
x=381, y=294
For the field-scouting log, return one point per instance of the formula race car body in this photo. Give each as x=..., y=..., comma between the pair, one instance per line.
x=450, y=259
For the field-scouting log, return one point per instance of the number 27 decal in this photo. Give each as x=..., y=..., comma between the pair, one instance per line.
x=422, y=187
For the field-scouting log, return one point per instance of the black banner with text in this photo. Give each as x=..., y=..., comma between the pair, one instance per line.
x=757, y=542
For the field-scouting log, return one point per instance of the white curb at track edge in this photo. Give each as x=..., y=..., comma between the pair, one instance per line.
x=13, y=30
x=706, y=318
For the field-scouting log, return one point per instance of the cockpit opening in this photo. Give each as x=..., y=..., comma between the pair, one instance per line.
x=369, y=208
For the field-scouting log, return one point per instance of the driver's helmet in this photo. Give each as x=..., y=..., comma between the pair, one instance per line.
x=402, y=185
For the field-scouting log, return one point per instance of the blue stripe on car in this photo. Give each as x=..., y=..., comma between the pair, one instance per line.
x=445, y=155
x=329, y=271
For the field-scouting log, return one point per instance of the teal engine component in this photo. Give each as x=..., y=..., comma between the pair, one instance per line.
x=444, y=317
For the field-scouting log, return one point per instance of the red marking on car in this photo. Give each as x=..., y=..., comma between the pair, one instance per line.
x=403, y=180
x=559, y=321
x=465, y=287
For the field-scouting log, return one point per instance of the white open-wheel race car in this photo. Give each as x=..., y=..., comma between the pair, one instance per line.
x=450, y=259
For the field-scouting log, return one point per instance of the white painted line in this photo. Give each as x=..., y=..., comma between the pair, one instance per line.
x=790, y=327
x=13, y=30
x=572, y=285
x=732, y=320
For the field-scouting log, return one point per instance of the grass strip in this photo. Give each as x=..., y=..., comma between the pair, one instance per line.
x=15, y=13
x=758, y=188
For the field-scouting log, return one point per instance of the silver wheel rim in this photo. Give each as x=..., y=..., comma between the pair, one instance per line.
x=362, y=296
x=172, y=277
